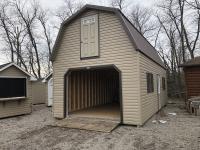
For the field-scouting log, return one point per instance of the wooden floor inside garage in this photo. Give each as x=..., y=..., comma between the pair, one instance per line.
x=103, y=118
x=108, y=111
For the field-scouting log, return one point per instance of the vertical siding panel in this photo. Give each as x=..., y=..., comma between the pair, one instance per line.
x=78, y=89
x=69, y=92
x=88, y=89
x=92, y=88
x=82, y=89
x=74, y=91
x=98, y=80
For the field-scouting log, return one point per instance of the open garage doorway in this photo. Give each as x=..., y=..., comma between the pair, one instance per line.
x=94, y=92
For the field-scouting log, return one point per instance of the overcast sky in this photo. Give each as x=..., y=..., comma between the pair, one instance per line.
x=55, y=4
x=52, y=4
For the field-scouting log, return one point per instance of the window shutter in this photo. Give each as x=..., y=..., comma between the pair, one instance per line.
x=89, y=36
x=163, y=83
x=150, y=82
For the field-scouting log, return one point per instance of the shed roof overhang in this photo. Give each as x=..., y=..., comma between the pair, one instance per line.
x=191, y=63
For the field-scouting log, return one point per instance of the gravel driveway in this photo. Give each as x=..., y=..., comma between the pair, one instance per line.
x=180, y=132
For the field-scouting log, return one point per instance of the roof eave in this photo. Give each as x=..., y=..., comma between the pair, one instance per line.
x=189, y=65
x=164, y=67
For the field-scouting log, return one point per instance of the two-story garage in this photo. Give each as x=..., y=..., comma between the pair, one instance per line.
x=103, y=67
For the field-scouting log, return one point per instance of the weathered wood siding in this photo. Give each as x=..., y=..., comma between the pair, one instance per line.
x=149, y=101
x=16, y=107
x=192, y=79
x=115, y=48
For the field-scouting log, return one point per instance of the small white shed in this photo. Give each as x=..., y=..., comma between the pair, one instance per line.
x=49, y=89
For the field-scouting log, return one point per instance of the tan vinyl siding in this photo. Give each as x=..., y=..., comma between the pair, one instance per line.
x=115, y=48
x=16, y=107
x=38, y=92
x=149, y=101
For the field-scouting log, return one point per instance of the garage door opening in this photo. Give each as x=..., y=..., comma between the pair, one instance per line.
x=94, y=92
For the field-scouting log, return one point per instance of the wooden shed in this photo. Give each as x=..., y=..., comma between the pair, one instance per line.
x=103, y=67
x=192, y=77
x=15, y=91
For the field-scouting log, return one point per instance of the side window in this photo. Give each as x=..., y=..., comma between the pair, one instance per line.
x=150, y=85
x=163, y=83
x=89, y=37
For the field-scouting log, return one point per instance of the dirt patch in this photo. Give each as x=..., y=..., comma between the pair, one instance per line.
x=180, y=132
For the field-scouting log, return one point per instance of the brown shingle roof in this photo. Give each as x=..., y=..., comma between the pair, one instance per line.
x=191, y=62
x=138, y=40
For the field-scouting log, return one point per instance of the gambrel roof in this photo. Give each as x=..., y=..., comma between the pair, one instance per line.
x=139, y=41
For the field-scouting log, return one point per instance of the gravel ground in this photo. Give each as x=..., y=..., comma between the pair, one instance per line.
x=180, y=132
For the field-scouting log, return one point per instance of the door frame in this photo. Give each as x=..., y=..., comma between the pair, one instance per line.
x=48, y=84
x=66, y=75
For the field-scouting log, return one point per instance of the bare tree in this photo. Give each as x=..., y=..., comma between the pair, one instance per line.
x=180, y=26
x=18, y=35
x=25, y=29
x=142, y=19
x=69, y=8
x=190, y=41
x=4, y=20
x=28, y=17
x=188, y=28
x=44, y=20
x=194, y=3
x=121, y=4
